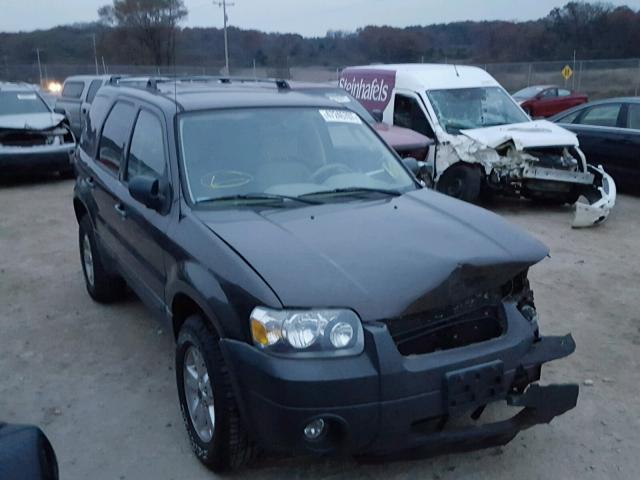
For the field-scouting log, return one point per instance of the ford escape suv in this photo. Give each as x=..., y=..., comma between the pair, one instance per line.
x=322, y=300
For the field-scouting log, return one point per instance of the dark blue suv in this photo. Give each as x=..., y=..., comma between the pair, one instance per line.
x=321, y=299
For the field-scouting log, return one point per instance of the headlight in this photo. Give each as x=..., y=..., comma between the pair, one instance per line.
x=307, y=332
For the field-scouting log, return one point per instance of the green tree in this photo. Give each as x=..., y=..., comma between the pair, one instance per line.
x=152, y=23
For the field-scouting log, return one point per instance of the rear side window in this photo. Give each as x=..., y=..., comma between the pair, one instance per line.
x=602, y=115
x=563, y=92
x=407, y=113
x=73, y=89
x=146, y=154
x=97, y=112
x=634, y=116
x=114, y=135
x=93, y=89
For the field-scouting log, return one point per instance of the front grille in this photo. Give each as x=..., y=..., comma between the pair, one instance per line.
x=23, y=139
x=478, y=320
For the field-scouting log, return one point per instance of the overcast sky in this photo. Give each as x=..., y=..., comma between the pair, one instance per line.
x=307, y=17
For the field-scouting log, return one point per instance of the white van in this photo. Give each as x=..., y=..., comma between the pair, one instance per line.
x=484, y=141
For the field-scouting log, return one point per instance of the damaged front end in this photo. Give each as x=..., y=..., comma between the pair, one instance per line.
x=39, y=146
x=536, y=160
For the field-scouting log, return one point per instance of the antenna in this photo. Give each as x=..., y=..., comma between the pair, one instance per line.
x=224, y=4
x=455, y=67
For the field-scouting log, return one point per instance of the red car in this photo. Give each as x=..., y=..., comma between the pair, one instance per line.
x=547, y=100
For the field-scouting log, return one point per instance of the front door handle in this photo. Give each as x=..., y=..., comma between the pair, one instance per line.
x=121, y=210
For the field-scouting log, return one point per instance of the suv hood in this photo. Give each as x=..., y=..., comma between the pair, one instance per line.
x=537, y=133
x=382, y=258
x=31, y=121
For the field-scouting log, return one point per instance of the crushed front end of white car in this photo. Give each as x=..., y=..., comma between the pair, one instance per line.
x=537, y=160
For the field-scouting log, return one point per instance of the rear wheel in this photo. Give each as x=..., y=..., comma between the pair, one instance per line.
x=462, y=182
x=101, y=285
x=208, y=405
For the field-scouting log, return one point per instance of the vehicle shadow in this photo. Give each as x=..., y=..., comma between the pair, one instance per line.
x=8, y=181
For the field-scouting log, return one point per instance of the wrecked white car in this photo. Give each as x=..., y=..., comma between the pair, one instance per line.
x=33, y=139
x=485, y=143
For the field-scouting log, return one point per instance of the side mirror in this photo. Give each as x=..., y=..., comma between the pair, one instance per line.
x=147, y=191
x=59, y=110
x=377, y=115
x=412, y=164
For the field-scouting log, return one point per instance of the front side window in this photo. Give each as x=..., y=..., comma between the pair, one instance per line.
x=114, y=135
x=408, y=114
x=478, y=107
x=527, y=93
x=550, y=93
x=146, y=155
x=292, y=152
x=73, y=89
x=602, y=115
x=21, y=103
x=93, y=89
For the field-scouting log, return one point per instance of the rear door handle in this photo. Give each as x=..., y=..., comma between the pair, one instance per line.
x=121, y=210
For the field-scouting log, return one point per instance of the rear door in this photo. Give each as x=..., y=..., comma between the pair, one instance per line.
x=71, y=101
x=105, y=180
x=143, y=229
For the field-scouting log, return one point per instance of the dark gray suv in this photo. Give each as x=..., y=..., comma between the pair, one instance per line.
x=322, y=300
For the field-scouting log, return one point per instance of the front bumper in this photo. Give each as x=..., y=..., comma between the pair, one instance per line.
x=600, y=200
x=36, y=159
x=382, y=403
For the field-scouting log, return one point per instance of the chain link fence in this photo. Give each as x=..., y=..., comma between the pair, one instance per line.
x=597, y=78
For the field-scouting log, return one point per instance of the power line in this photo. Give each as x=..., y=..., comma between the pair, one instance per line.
x=224, y=4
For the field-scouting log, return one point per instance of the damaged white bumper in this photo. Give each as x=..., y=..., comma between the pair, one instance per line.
x=594, y=206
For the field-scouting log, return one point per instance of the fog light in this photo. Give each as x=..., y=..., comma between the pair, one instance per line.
x=530, y=313
x=314, y=429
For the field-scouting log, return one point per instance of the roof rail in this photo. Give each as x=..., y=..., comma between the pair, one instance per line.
x=152, y=81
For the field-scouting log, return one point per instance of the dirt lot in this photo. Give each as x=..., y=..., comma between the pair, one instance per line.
x=100, y=381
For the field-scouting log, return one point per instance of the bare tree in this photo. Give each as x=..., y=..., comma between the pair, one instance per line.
x=153, y=23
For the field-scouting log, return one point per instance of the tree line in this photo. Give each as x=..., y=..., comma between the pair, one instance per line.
x=148, y=32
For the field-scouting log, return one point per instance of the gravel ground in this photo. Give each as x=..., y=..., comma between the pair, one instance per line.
x=99, y=379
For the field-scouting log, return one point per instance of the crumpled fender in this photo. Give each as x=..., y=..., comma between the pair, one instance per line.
x=596, y=203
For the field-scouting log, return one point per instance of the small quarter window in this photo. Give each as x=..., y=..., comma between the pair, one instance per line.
x=146, y=155
x=114, y=135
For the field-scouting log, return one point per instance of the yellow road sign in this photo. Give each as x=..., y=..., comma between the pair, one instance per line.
x=567, y=72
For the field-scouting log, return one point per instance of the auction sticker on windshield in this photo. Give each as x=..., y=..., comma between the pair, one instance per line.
x=340, y=116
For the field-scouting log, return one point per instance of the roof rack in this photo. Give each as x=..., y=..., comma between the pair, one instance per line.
x=153, y=81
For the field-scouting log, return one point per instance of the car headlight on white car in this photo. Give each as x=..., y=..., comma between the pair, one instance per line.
x=310, y=333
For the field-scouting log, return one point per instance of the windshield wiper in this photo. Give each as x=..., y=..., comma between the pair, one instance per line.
x=258, y=196
x=354, y=190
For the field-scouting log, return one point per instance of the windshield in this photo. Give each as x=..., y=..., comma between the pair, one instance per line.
x=20, y=103
x=289, y=152
x=340, y=96
x=467, y=108
x=528, y=92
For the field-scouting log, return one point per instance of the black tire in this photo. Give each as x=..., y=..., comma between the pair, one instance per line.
x=230, y=447
x=462, y=182
x=102, y=286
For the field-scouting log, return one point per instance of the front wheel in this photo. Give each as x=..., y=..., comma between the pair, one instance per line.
x=209, y=410
x=461, y=181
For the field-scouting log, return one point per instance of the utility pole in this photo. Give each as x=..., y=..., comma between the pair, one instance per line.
x=224, y=4
x=95, y=53
x=39, y=65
